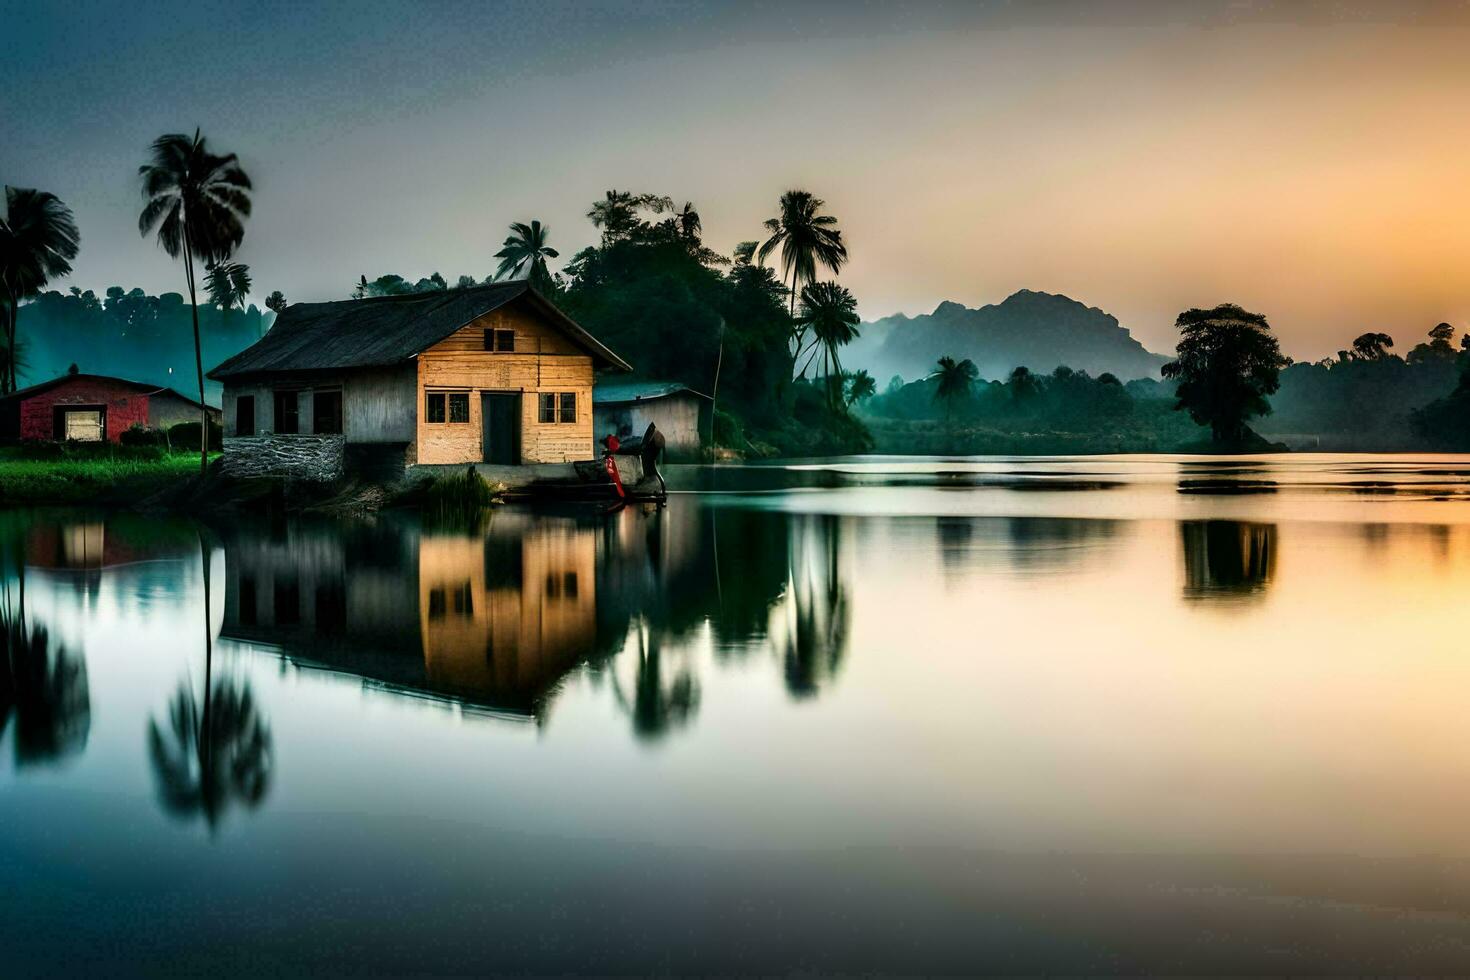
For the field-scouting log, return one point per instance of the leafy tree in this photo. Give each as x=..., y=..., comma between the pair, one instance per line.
x=1372, y=346
x=276, y=301
x=1228, y=362
x=860, y=387
x=807, y=239
x=38, y=240
x=1439, y=347
x=829, y=311
x=525, y=253
x=1024, y=385
x=198, y=201
x=465, y=282
x=1445, y=422
x=617, y=214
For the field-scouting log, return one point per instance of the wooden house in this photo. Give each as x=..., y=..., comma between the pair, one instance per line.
x=492, y=374
x=92, y=408
x=625, y=408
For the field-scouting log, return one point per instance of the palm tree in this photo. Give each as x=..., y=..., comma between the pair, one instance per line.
x=860, y=387
x=38, y=240
x=276, y=301
x=686, y=220
x=830, y=312
x=199, y=202
x=616, y=214
x=807, y=238
x=525, y=254
x=228, y=284
x=956, y=378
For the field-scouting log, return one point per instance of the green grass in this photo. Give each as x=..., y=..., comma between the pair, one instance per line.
x=117, y=477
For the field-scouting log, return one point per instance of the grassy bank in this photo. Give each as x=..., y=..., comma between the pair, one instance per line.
x=111, y=475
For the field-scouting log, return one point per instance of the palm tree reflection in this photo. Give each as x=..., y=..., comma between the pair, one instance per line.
x=665, y=694
x=815, y=640
x=214, y=755
x=45, y=688
x=211, y=756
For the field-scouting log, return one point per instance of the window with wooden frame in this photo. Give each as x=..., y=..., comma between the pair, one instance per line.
x=501, y=341
x=434, y=406
x=557, y=406
x=459, y=406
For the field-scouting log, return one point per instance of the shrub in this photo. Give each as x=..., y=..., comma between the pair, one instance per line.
x=137, y=435
x=185, y=436
x=462, y=497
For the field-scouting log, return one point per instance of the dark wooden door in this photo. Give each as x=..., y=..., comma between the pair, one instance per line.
x=500, y=428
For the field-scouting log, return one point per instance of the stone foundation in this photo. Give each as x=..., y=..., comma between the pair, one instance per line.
x=311, y=457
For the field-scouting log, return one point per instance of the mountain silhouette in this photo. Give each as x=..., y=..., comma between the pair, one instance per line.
x=1030, y=328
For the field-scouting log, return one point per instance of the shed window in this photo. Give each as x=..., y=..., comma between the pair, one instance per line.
x=500, y=340
x=326, y=412
x=245, y=415
x=287, y=421
x=434, y=407
x=557, y=406
x=459, y=407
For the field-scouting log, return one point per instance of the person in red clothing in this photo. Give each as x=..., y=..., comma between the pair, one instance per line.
x=610, y=446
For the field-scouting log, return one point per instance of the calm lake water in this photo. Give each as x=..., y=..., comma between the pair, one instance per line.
x=896, y=715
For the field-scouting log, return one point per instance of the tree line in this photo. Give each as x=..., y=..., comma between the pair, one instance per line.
x=1228, y=381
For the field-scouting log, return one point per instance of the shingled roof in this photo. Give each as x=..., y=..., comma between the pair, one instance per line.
x=388, y=330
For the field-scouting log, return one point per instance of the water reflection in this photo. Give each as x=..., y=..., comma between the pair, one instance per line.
x=43, y=688
x=1227, y=558
x=494, y=618
x=213, y=756
x=815, y=636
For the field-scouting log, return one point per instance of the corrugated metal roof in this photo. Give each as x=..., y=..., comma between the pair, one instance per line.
x=387, y=330
x=615, y=392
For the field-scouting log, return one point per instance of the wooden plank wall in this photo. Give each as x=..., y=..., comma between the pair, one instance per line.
x=543, y=361
x=377, y=403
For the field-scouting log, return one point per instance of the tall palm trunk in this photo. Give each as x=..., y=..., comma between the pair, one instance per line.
x=8, y=381
x=799, y=333
x=198, y=358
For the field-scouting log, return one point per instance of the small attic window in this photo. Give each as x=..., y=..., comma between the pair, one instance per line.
x=503, y=341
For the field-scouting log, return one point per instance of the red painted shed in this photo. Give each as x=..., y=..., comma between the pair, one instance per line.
x=92, y=407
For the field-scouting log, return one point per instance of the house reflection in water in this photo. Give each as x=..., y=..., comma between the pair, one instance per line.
x=495, y=619
x=491, y=619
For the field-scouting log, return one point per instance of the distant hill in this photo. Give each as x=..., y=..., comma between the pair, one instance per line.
x=1037, y=330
